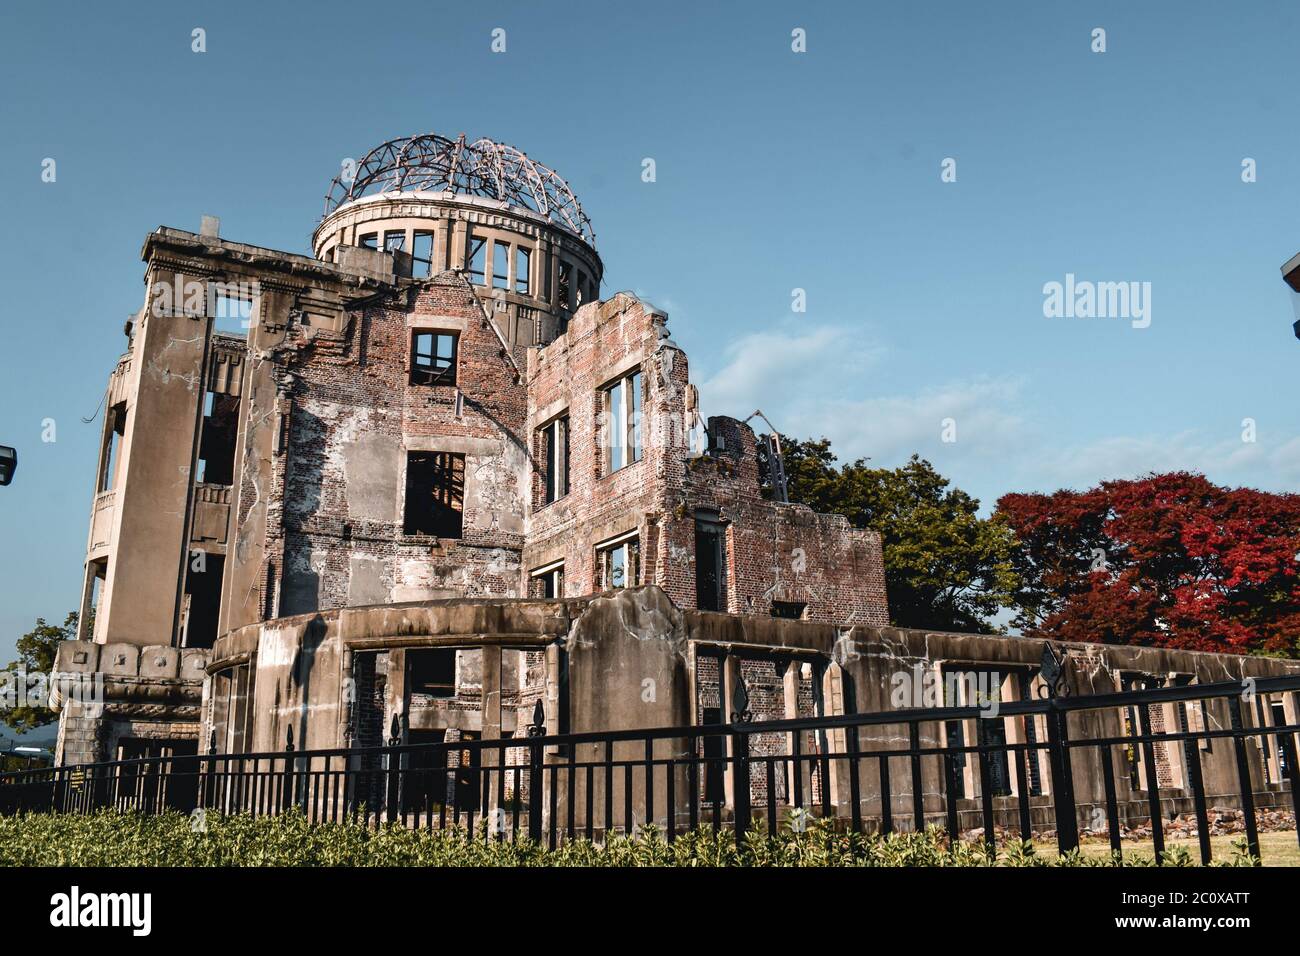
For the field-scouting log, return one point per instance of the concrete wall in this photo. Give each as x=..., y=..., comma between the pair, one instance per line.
x=105, y=692
x=633, y=660
x=152, y=495
x=525, y=318
x=353, y=416
x=328, y=414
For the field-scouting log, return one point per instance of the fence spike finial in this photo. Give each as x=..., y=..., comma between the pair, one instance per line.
x=1052, y=670
x=740, y=713
x=538, y=727
x=289, y=741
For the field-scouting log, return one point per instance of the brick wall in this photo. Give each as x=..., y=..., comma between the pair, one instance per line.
x=774, y=552
x=604, y=341
x=353, y=415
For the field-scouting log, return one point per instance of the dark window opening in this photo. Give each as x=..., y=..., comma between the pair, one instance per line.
x=422, y=253
x=992, y=732
x=433, y=358
x=547, y=584
x=98, y=572
x=710, y=564
x=1278, y=711
x=232, y=715
x=154, y=785
x=566, y=285
x=620, y=564
x=1033, y=756
x=231, y=313
x=435, y=488
x=217, y=444
x=369, y=241
x=371, y=689
x=522, y=278
x=990, y=729
x=431, y=671
x=394, y=241
x=790, y=610
x=715, y=753
x=268, y=593
x=112, y=447
x=623, y=423
x=555, y=439
x=203, y=598
x=954, y=766
x=500, y=265
x=476, y=260
x=1263, y=714
x=425, y=784
x=1129, y=714
x=1182, y=711
x=467, y=777
x=1133, y=753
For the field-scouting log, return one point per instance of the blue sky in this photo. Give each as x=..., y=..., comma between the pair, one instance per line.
x=774, y=171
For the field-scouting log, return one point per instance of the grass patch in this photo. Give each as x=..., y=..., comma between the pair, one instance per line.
x=1276, y=848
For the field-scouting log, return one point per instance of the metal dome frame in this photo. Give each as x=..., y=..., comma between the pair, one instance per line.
x=433, y=163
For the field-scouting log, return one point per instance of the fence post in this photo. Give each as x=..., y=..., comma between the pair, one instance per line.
x=740, y=749
x=1238, y=723
x=1067, y=824
x=741, y=716
x=59, y=792
x=287, y=781
x=393, y=797
x=537, y=730
x=1052, y=672
x=209, y=774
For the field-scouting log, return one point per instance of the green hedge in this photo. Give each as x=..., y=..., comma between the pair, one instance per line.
x=111, y=838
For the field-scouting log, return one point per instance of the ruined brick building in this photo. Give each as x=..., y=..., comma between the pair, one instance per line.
x=432, y=474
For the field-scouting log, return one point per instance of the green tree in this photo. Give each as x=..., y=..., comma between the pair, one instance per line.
x=36, y=650
x=946, y=568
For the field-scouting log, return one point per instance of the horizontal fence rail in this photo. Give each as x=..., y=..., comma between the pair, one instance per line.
x=1047, y=769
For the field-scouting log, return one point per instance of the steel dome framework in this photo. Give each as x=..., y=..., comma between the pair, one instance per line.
x=484, y=168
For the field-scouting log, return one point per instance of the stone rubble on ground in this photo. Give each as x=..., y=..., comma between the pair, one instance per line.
x=1223, y=821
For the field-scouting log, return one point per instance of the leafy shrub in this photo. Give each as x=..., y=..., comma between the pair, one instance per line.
x=112, y=838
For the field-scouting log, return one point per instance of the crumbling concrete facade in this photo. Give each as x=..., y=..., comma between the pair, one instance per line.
x=774, y=555
x=435, y=406
x=416, y=483
x=633, y=659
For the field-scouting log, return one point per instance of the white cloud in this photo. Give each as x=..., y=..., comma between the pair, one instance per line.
x=1227, y=461
x=818, y=380
x=785, y=368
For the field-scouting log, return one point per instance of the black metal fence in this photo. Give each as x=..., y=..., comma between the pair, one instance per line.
x=1044, y=768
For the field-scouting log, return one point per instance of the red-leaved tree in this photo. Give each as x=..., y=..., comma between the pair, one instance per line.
x=1167, y=560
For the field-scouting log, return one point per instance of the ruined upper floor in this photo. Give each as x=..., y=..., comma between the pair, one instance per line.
x=289, y=433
